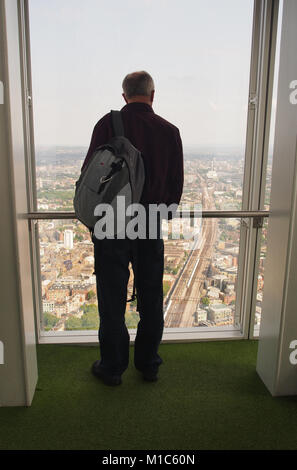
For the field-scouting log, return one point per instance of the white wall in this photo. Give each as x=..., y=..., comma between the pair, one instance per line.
x=279, y=312
x=18, y=374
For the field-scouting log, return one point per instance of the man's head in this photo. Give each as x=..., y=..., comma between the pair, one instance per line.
x=138, y=86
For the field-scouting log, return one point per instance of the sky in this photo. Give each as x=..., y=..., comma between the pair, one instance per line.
x=197, y=51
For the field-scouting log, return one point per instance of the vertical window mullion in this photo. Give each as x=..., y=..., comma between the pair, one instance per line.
x=261, y=84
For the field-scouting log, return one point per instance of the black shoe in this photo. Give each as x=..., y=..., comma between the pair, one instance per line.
x=107, y=379
x=150, y=376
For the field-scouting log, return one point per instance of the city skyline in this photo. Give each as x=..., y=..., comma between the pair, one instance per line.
x=200, y=281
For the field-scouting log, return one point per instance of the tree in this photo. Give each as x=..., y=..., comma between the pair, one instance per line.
x=90, y=321
x=78, y=238
x=205, y=301
x=49, y=321
x=73, y=324
x=89, y=308
x=90, y=295
x=223, y=236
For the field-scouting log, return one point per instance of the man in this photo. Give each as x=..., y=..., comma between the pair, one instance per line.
x=161, y=147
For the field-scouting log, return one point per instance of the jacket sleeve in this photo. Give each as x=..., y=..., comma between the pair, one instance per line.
x=101, y=134
x=176, y=176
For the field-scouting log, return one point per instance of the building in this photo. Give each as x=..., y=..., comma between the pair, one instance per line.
x=68, y=239
x=58, y=292
x=48, y=306
x=213, y=292
x=219, y=280
x=219, y=313
x=201, y=315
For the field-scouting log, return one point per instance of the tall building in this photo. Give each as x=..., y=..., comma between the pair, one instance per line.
x=68, y=239
x=212, y=174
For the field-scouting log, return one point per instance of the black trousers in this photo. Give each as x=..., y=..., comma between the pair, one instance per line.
x=112, y=257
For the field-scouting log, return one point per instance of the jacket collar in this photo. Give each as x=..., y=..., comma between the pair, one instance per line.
x=138, y=106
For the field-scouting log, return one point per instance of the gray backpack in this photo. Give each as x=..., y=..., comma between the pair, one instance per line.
x=115, y=169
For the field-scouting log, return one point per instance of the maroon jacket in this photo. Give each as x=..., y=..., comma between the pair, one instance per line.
x=160, y=144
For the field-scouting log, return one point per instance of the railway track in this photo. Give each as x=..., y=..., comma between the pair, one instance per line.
x=187, y=292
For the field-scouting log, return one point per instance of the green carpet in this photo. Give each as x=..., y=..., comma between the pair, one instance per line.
x=209, y=396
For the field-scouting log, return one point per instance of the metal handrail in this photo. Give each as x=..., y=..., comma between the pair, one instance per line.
x=183, y=214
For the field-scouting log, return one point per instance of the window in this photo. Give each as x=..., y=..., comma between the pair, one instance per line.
x=200, y=59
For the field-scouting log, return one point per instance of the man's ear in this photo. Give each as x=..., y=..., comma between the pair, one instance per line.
x=152, y=95
x=124, y=96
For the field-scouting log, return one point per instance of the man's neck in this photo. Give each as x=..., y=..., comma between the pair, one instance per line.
x=139, y=99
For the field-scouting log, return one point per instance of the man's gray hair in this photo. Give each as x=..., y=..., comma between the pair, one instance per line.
x=138, y=83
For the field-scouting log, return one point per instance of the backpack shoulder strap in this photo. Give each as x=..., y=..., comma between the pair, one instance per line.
x=117, y=123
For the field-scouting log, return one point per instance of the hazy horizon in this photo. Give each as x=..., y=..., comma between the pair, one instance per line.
x=185, y=148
